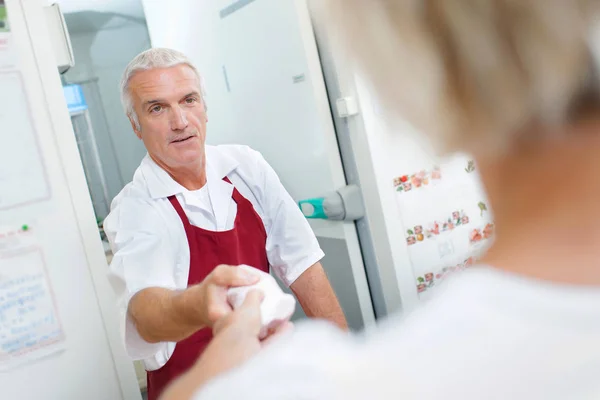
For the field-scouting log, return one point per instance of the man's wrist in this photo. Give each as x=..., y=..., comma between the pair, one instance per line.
x=187, y=306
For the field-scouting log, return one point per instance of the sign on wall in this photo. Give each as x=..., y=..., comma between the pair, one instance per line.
x=446, y=220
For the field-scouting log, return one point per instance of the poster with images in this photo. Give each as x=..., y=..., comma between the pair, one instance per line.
x=8, y=56
x=446, y=219
x=4, y=25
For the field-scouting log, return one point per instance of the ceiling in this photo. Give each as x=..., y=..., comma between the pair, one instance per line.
x=130, y=8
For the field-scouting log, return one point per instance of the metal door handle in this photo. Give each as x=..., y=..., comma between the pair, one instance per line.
x=345, y=204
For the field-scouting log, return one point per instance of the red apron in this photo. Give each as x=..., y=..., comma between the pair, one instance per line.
x=244, y=244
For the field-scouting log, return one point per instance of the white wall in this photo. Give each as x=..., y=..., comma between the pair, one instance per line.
x=191, y=27
x=104, y=54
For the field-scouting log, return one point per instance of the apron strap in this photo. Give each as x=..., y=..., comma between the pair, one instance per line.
x=186, y=222
x=237, y=196
x=180, y=212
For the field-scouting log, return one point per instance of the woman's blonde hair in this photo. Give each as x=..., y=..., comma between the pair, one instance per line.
x=471, y=73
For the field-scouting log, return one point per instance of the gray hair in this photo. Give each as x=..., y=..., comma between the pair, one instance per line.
x=147, y=60
x=471, y=73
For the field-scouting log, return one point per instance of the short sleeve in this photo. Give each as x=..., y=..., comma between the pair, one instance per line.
x=304, y=366
x=292, y=246
x=143, y=258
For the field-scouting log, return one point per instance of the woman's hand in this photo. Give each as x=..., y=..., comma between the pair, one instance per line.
x=235, y=341
x=236, y=336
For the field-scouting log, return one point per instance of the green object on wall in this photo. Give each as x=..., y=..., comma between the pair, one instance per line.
x=318, y=212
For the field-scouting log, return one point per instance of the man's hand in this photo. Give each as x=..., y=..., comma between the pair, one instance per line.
x=208, y=299
x=163, y=315
x=245, y=323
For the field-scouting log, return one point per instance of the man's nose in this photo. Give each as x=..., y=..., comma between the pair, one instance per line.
x=178, y=119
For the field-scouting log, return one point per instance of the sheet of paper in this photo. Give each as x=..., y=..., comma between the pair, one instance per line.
x=22, y=173
x=447, y=225
x=30, y=326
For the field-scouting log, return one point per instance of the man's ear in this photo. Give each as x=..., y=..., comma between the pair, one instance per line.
x=138, y=133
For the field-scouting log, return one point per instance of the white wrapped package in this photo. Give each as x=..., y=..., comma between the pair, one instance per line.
x=277, y=306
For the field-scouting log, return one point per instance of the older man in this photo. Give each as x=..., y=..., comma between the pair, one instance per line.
x=190, y=209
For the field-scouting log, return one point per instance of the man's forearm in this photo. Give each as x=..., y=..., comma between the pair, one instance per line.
x=317, y=298
x=163, y=315
x=325, y=307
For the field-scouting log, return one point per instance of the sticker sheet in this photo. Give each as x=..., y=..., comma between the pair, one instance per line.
x=446, y=219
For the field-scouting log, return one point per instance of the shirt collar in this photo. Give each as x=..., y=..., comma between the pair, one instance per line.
x=161, y=185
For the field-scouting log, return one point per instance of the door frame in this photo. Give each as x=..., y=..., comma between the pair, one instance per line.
x=338, y=167
x=358, y=163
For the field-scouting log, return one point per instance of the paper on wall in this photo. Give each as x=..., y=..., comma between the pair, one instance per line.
x=447, y=224
x=30, y=326
x=23, y=177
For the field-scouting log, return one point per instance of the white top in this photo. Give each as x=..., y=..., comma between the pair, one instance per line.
x=149, y=242
x=485, y=335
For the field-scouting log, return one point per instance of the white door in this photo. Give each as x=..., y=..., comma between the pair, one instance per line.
x=265, y=89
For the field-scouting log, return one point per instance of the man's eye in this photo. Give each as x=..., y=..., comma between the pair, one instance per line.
x=190, y=100
x=156, y=109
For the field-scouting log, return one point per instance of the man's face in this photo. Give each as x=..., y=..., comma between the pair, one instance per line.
x=171, y=113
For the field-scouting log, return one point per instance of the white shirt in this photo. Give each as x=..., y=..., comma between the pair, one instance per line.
x=487, y=335
x=149, y=242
